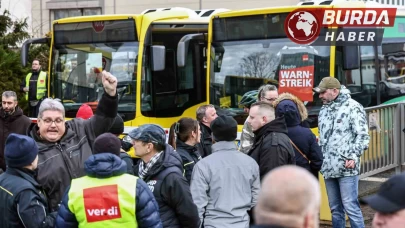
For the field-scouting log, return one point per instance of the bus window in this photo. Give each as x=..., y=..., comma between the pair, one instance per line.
x=171, y=91
x=393, y=71
x=361, y=82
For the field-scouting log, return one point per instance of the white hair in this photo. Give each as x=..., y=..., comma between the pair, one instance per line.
x=51, y=104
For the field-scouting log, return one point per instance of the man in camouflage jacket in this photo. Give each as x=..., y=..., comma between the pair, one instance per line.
x=343, y=135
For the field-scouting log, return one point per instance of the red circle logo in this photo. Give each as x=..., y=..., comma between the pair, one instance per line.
x=98, y=26
x=302, y=27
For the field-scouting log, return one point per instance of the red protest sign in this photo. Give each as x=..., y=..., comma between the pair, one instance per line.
x=298, y=81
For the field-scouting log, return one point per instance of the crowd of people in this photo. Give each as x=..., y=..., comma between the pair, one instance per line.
x=77, y=173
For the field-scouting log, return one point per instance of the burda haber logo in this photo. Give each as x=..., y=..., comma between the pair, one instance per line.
x=101, y=203
x=341, y=26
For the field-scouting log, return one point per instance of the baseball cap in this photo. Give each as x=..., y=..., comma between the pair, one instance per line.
x=327, y=83
x=390, y=197
x=149, y=133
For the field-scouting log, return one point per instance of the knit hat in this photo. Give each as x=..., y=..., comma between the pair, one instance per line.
x=107, y=143
x=20, y=150
x=84, y=112
x=117, y=127
x=224, y=128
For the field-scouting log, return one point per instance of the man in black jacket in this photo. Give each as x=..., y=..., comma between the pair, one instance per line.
x=205, y=115
x=34, y=86
x=64, y=146
x=162, y=169
x=271, y=147
x=12, y=120
x=23, y=202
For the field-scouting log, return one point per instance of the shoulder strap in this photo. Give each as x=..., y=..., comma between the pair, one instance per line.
x=296, y=147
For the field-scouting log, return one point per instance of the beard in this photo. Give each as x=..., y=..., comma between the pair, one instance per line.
x=9, y=112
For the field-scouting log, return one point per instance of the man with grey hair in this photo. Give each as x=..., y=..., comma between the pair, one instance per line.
x=290, y=197
x=271, y=146
x=65, y=145
x=205, y=115
x=268, y=94
x=12, y=120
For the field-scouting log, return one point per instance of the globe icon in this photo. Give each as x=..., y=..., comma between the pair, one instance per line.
x=302, y=27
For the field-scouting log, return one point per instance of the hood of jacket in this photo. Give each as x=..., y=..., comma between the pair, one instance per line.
x=169, y=158
x=292, y=108
x=104, y=165
x=277, y=125
x=343, y=96
x=15, y=115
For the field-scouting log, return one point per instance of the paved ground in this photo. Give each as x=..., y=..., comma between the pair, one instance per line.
x=367, y=187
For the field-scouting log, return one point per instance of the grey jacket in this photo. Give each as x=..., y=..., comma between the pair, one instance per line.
x=224, y=186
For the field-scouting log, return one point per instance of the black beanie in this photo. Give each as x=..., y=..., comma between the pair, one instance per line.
x=224, y=128
x=20, y=150
x=107, y=143
x=117, y=127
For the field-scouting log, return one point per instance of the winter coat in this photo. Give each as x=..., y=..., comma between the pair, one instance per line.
x=171, y=191
x=24, y=204
x=225, y=186
x=295, y=113
x=204, y=147
x=246, y=138
x=272, y=147
x=189, y=155
x=104, y=166
x=60, y=162
x=14, y=123
x=343, y=135
x=128, y=160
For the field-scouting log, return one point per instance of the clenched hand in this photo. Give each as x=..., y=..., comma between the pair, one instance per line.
x=109, y=83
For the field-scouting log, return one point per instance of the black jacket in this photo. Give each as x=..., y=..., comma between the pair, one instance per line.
x=128, y=160
x=59, y=163
x=24, y=204
x=204, y=147
x=14, y=123
x=271, y=147
x=302, y=137
x=107, y=165
x=189, y=155
x=172, y=192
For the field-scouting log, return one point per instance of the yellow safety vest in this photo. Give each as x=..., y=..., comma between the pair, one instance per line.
x=104, y=202
x=41, y=85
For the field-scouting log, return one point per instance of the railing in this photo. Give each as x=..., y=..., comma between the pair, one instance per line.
x=387, y=141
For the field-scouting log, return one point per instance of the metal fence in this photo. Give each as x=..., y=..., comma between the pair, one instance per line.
x=387, y=140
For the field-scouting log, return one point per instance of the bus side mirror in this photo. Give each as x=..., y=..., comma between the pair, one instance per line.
x=183, y=46
x=158, y=57
x=26, y=47
x=217, y=54
x=351, y=57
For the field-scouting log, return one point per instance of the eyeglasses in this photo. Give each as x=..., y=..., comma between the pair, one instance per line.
x=50, y=121
x=269, y=99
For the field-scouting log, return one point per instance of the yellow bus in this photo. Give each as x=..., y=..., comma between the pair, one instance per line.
x=252, y=44
x=141, y=51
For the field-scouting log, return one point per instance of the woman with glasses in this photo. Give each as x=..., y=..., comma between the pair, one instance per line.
x=65, y=145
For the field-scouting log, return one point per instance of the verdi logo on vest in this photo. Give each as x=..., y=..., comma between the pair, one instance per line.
x=101, y=203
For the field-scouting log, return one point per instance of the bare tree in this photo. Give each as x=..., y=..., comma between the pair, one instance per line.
x=259, y=65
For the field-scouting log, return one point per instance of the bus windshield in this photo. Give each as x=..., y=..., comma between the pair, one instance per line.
x=242, y=66
x=81, y=51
